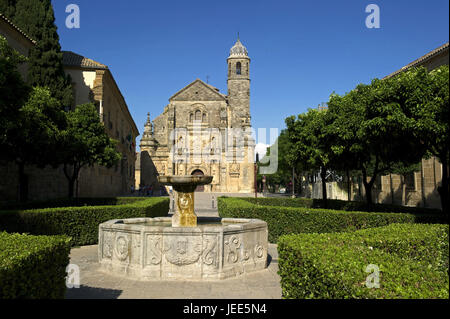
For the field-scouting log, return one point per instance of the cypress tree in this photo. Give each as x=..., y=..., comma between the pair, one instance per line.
x=8, y=8
x=36, y=18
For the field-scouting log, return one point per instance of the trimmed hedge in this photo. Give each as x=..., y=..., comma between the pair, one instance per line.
x=289, y=220
x=33, y=267
x=80, y=223
x=413, y=262
x=67, y=202
x=341, y=205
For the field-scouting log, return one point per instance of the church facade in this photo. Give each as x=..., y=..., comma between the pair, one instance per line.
x=204, y=132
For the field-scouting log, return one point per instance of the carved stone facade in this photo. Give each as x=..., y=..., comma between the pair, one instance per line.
x=204, y=132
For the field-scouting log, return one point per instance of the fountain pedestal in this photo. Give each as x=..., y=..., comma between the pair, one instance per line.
x=185, y=187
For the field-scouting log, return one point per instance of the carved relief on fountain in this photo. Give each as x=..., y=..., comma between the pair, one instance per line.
x=233, y=249
x=182, y=250
x=122, y=247
x=153, y=250
x=108, y=245
x=210, y=251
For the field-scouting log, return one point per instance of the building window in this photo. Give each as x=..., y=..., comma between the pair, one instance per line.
x=204, y=118
x=238, y=68
x=198, y=116
x=191, y=117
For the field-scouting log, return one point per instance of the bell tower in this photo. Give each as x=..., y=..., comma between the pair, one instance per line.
x=239, y=85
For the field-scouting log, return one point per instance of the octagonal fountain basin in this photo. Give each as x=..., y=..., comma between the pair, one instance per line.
x=151, y=249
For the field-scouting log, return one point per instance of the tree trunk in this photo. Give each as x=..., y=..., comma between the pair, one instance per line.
x=402, y=178
x=392, y=190
x=71, y=188
x=349, y=194
x=368, y=187
x=71, y=178
x=323, y=175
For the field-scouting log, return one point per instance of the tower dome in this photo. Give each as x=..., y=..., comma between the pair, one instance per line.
x=238, y=50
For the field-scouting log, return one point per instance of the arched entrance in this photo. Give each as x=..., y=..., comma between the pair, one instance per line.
x=198, y=172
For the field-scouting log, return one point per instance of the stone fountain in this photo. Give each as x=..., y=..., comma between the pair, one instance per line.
x=184, y=246
x=185, y=186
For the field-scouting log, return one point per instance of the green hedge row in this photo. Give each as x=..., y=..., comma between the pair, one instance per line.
x=289, y=220
x=340, y=205
x=412, y=259
x=74, y=202
x=33, y=267
x=80, y=223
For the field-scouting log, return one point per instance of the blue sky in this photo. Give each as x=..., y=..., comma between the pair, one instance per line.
x=301, y=51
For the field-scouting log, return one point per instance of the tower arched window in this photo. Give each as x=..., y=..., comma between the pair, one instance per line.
x=204, y=118
x=198, y=115
x=238, y=68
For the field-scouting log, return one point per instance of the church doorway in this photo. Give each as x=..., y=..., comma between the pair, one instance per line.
x=200, y=188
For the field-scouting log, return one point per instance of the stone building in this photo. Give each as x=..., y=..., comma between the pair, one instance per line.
x=204, y=132
x=17, y=39
x=92, y=82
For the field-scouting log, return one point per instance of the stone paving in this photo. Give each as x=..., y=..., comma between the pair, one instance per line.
x=96, y=284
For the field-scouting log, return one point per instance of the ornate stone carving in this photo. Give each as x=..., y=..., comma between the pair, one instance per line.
x=107, y=245
x=185, y=204
x=235, y=170
x=233, y=246
x=207, y=252
x=154, y=249
x=182, y=251
x=259, y=251
x=122, y=247
x=210, y=252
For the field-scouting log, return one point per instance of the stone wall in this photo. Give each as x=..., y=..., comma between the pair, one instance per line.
x=389, y=189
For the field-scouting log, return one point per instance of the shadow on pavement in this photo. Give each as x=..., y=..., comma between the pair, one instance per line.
x=85, y=292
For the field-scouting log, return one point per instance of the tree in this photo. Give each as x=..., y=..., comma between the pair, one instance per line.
x=310, y=136
x=34, y=138
x=343, y=127
x=13, y=90
x=434, y=125
x=377, y=125
x=85, y=143
x=8, y=7
x=36, y=18
x=287, y=162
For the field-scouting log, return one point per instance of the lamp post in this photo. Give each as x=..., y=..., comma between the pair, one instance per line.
x=293, y=182
x=256, y=175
